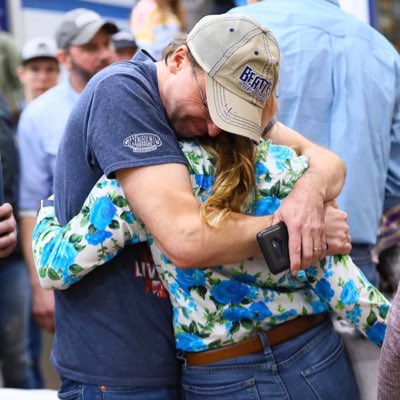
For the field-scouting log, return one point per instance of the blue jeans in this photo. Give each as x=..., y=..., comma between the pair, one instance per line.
x=71, y=390
x=311, y=366
x=15, y=307
x=361, y=255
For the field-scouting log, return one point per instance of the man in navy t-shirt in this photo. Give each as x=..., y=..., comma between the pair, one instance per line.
x=114, y=329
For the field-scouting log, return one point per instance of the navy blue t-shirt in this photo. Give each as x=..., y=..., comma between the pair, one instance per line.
x=115, y=326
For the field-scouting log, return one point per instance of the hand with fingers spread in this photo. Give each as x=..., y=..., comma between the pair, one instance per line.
x=8, y=230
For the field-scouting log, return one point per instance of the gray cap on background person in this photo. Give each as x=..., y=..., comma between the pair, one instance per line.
x=38, y=48
x=79, y=27
x=124, y=39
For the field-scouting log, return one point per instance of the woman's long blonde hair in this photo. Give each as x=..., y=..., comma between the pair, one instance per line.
x=176, y=7
x=234, y=158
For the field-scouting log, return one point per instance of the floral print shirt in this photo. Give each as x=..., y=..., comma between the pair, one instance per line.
x=227, y=303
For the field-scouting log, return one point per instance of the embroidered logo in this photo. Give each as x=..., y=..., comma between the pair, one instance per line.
x=143, y=142
x=254, y=84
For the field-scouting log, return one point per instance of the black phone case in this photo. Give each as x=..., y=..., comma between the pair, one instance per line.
x=274, y=244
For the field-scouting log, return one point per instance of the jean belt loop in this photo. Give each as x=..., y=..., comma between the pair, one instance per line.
x=265, y=342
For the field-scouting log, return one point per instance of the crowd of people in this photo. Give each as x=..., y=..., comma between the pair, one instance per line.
x=138, y=167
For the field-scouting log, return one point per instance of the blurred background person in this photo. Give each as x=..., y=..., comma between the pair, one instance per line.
x=154, y=23
x=125, y=45
x=195, y=10
x=84, y=47
x=14, y=284
x=39, y=72
x=40, y=69
x=10, y=86
x=344, y=97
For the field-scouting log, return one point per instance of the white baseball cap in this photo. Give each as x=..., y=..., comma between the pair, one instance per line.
x=38, y=48
x=241, y=63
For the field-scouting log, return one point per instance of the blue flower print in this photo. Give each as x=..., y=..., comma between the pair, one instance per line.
x=318, y=307
x=354, y=315
x=204, y=181
x=286, y=315
x=165, y=259
x=96, y=238
x=237, y=314
x=66, y=255
x=39, y=228
x=245, y=278
x=187, y=278
x=48, y=249
x=102, y=213
x=376, y=333
x=266, y=206
x=281, y=154
x=189, y=342
x=383, y=310
x=311, y=271
x=260, y=311
x=324, y=290
x=349, y=293
x=230, y=292
x=260, y=168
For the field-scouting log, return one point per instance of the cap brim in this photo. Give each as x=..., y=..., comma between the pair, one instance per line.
x=90, y=31
x=231, y=113
x=41, y=57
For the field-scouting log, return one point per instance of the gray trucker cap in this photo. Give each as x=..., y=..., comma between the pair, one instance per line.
x=79, y=26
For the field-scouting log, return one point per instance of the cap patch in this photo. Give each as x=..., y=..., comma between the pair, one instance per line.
x=254, y=84
x=143, y=142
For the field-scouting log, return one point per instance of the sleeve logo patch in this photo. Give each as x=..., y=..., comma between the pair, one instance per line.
x=143, y=142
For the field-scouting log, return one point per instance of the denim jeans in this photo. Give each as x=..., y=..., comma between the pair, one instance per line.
x=71, y=390
x=361, y=255
x=311, y=366
x=14, y=323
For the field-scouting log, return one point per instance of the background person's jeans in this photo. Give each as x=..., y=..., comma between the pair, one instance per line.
x=312, y=366
x=71, y=390
x=15, y=307
x=361, y=255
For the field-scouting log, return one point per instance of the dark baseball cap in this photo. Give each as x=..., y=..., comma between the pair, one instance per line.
x=123, y=39
x=79, y=26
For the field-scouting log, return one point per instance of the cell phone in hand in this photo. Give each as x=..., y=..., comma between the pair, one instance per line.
x=274, y=244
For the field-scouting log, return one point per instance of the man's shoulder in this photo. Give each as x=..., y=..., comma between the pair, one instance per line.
x=48, y=100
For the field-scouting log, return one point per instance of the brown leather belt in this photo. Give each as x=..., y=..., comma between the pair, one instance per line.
x=277, y=335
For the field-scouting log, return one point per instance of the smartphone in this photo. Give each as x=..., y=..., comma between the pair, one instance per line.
x=274, y=244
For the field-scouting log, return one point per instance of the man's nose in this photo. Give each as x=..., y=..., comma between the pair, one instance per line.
x=213, y=129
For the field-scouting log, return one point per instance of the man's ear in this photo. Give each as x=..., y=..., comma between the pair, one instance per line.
x=178, y=59
x=63, y=58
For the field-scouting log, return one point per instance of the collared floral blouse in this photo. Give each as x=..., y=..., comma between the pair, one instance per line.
x=227, y=303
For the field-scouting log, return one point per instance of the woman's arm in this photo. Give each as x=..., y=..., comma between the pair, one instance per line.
x=303, y=211
x=65, y=254
x=340, y=283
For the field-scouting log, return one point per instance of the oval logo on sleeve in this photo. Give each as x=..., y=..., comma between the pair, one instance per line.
x=143, y=142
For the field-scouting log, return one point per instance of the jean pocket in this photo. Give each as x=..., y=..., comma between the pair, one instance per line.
x=332, y=377
x=245, y=390
x=74, y=394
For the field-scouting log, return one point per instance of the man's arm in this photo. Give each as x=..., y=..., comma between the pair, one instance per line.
x=42, y=300
x=303, y=210
x=8, y=230
x=172, y=215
